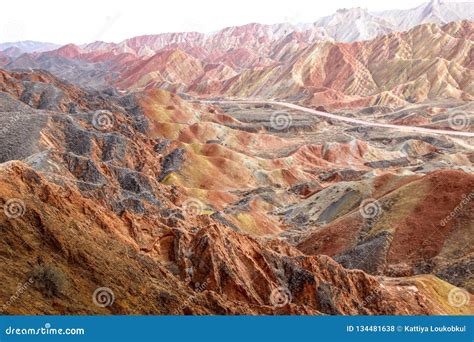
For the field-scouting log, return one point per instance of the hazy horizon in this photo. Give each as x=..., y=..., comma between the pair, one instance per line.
x=66, y=23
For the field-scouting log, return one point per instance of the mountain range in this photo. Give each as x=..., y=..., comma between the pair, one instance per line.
x=346, y=25
x=286, y=61
x=313, y=169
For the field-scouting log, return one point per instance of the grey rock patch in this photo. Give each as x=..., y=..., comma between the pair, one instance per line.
x=84, y=169
x=384, y=164
x=115, y=147
x=78, y=140
x=369, y=256
x=339, y=207
x=220, y=218
x=459, y=273
x=326, y=298
x=161, y=145
x=171, y=163
x=19, y=135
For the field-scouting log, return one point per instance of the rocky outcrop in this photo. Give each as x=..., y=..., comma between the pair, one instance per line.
x=173, y=223
x=210, y=271
x=171, y=163
x=409, y=230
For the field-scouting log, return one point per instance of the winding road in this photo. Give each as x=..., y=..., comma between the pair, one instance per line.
x=345, y=119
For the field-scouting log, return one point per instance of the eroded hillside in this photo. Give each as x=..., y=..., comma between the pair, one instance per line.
x=179, y=207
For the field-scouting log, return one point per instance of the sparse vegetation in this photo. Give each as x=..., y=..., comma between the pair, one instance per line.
x=50, y=280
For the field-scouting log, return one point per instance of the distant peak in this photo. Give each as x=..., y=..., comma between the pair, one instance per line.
x=69, y=51
x=352, y=10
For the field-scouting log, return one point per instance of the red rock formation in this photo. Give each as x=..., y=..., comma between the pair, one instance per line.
x=277, y=62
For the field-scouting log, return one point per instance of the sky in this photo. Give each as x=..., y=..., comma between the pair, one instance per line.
x=85, y=21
